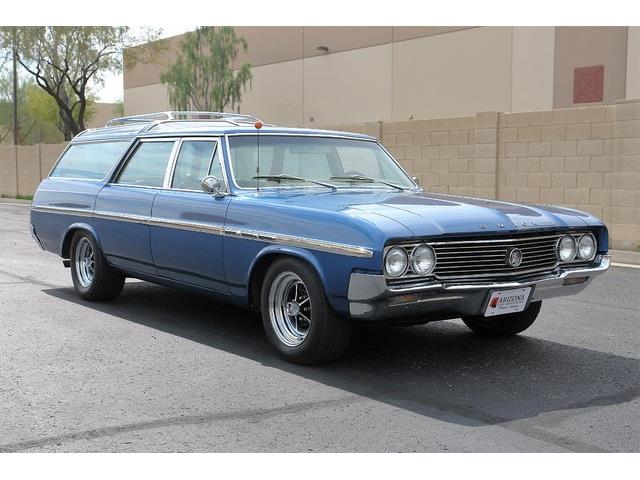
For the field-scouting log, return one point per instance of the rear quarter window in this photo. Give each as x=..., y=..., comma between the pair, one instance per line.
x=89, y=160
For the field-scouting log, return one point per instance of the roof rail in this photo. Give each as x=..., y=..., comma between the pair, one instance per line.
x=234, y=118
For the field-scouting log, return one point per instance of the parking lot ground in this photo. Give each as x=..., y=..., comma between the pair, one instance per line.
x=164, y=370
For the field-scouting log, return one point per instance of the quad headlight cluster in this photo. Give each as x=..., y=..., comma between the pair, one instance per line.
x=421, y=261
x=570, y=248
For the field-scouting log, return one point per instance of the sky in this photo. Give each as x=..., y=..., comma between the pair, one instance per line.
x=113, y=91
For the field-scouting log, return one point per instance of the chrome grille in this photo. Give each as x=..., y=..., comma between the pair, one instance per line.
x=488, y=257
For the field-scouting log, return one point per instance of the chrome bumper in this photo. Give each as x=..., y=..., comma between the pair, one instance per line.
x=370, y=298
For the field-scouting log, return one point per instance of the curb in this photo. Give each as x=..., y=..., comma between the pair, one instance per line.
x=14, y=200
x=625, y=256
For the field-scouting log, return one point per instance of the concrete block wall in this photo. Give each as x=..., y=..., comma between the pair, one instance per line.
x=586, y=158
x=23, y=167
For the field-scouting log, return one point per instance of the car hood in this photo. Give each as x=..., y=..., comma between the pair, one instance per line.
x=433, y=214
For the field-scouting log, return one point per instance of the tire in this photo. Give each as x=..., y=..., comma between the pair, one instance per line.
x=97, y=281
x=503, y=325
x=321, y=339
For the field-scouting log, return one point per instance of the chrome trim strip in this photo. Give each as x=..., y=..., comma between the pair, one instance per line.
x=121, y=217
x=219, y=229
x=215, y=229
x=62, y=211
x=293, y=241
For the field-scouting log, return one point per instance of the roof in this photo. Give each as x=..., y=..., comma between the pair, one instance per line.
x=170, y=124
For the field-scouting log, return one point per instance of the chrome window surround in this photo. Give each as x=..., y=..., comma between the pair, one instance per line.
x=409, y=247
x=174, y=160
x=337, y=135
x=170, y=170
x=115, y=180
x=218, y=229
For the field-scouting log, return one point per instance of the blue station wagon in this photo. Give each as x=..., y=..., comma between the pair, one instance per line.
x=313, y=229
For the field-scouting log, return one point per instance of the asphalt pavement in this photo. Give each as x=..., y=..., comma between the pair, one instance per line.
x=164, y=370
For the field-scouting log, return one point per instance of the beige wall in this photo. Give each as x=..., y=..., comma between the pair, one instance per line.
x=452, y=74
x=396, y=73
x=633, y=62
x=348, y=86
x=22, y=167
x=268, y=45
x=589, y=46
x=276, y=95
x=145, y=99
x=532, y=68
x=103, y=113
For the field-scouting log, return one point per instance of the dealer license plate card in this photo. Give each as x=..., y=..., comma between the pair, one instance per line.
x=507, y=301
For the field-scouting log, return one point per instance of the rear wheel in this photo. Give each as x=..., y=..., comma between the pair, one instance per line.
x=504, y=325
x=92, y=277
x=297, y=317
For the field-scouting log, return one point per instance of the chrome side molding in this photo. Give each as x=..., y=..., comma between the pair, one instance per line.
x=219, y=229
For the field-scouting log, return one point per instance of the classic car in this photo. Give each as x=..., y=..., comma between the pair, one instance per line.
x=313, y=229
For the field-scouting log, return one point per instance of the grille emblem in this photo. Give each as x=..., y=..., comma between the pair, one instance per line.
x=514, y=257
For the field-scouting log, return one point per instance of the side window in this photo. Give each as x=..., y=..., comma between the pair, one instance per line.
x=196, y=160
x=89, y=160
x=148, y=165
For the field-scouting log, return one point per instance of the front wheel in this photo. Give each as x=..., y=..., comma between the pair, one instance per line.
x=92, y=276
x=297, y=317
x=504, y=325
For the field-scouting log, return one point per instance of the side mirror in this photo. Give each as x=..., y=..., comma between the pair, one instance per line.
x=212, y=184
x=416, y=180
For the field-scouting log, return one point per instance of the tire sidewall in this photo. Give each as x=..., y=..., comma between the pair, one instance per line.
x=319, y=307
x=82, y=290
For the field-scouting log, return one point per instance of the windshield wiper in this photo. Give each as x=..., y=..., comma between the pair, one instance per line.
x=362, y=178
x=280, y=177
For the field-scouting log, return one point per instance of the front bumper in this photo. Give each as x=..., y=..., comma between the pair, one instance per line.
x=370, y=298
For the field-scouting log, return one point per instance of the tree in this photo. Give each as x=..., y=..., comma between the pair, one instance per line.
x=203, y=76
x=65, y=61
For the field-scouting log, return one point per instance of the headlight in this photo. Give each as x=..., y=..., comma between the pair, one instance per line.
x=396, y=262
x=566, y=249
x=586, y=247
x=423, y=260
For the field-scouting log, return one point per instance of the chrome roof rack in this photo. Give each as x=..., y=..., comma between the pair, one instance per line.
x=233, y=118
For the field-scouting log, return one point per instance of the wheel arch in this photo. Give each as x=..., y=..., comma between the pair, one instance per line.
x=265, y=259
x=65, y=244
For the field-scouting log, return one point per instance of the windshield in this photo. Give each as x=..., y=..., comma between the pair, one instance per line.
x=322, y=159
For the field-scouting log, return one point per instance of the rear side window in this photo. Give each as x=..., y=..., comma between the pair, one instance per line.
x=89, y=160
x=148, y=165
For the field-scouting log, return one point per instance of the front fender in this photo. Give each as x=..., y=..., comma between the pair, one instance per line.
x=312, y=259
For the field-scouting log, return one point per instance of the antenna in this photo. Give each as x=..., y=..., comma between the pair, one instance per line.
x=258, y=126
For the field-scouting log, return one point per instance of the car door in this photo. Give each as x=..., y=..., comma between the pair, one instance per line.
x=123, y=207
x=187, y=223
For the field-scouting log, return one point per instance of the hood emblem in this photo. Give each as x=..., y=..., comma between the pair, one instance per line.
x=514, y=257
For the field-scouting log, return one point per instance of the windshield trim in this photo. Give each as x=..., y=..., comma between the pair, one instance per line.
x=312, y=135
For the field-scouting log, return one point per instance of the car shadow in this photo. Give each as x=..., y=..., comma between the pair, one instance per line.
x=440, y=370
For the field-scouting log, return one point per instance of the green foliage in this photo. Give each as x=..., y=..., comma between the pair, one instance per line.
x=203, y=76
x=64, y=61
